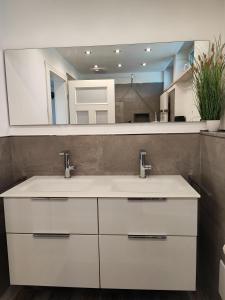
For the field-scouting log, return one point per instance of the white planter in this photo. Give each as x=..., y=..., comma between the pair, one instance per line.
x=213, y=125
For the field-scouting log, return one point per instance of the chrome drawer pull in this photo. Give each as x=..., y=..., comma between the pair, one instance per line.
x=161, y=237
x=148, y=199
x=51, y=235
x=40, y=198
x=58, y=198
x=50, y=198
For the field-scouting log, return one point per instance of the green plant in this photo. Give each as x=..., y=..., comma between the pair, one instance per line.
x=209, y=81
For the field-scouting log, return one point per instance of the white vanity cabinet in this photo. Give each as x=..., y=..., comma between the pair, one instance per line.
x=52, y=241
x=148, y=243
x=147, y=263
x=95, y=234
x=53, y=260
x=51, y=215
x=148, y=216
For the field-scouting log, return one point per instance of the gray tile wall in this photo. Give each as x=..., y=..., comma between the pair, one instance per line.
x=212, y=212
x=6, y=180
x=118, y=154
x=140, y=98
x=111, y=154
x=6, y=177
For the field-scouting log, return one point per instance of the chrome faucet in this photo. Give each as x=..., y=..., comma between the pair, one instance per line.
x=67, y=167
x=144, y=169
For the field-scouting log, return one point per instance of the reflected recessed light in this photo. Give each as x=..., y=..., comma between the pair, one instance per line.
x=95, y=66
x=148, y=50
x=119, y=65
x=88, y=52
x=117, y=51
x=144, y=64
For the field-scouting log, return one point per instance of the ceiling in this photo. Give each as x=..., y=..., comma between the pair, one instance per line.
x=131, y=57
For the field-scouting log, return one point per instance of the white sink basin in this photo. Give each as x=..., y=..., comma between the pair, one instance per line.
x=103, y=186
x=155, y=184
x=57, y=184
x=135, y=186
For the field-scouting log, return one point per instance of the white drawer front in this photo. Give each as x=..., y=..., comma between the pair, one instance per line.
x=48, y=261
x=72, y=215
x=148, y=264
x=171, y=216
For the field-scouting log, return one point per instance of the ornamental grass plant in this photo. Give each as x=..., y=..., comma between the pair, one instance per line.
x=209, y=81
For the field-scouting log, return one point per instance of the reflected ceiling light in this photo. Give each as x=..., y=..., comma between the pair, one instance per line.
x=98, y=69
x=117, y=51
x=148, y=50
x=144, y=64
x=119, y=65
x=87, y=52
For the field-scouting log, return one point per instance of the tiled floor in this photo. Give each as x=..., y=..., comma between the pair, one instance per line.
x=31, y=293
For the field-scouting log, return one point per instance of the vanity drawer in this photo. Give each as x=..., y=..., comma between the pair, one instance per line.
x=148, y=216
x=70, y=215
x=68, y=261
x=145, y=263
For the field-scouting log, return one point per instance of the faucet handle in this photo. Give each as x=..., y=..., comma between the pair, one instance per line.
x=148, y=167
x=64, y=153
x=143, y=152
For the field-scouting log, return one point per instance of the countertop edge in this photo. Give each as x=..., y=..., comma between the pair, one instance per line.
x=189, y=191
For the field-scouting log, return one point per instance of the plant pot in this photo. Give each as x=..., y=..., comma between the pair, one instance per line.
x=213, y=125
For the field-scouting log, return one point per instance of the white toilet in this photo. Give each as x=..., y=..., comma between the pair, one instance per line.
x=222, y=278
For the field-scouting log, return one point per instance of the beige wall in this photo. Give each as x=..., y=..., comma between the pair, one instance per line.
x=223, y=33
x=32, y=23
x=4, y=130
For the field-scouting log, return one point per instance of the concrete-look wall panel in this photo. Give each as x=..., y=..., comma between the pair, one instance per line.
x=212, y=212
x=106, y=154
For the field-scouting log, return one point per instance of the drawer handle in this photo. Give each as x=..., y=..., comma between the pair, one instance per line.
x=161, y=237
x=58, y=199
x=51, y=235
x=50, y=198
x=39, y=198
x=148, y=199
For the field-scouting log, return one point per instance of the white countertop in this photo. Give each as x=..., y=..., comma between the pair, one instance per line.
x=169, y=186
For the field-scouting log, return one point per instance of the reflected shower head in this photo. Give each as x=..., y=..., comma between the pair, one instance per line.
x=131, y=79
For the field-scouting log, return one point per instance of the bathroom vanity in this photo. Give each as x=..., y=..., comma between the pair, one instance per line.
x=118, y=232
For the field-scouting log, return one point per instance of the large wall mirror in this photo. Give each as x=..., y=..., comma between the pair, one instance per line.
x=103, y=84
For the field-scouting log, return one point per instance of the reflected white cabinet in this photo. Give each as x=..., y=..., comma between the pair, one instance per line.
x=121, y=243
x=92, y=101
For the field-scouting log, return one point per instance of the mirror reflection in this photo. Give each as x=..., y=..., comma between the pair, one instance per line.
x=102, y=84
